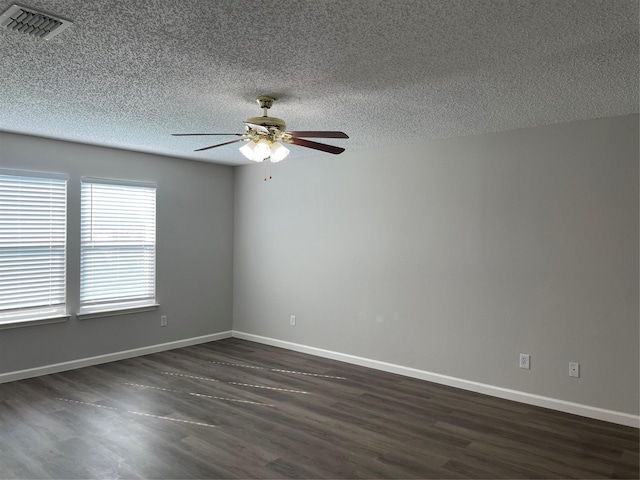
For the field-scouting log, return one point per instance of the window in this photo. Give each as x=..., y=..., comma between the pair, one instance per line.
x=33, y=235
x=118, y=246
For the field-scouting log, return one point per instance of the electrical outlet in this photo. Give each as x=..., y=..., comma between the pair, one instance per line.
x=524, y=361
x=292, y=320
x=163, y=320
x=574, y=369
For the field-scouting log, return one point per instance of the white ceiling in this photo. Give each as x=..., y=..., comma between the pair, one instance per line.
x=129, y=73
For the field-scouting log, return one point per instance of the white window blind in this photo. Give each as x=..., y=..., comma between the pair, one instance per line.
x=118, y=246
x=33, y=211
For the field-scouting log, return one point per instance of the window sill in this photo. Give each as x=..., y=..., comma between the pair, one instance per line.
x=33, y=321
x=111, y=311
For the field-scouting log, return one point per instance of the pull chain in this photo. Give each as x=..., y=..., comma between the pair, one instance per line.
x=265, y=169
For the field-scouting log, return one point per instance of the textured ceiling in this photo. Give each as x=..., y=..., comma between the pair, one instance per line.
x=130, y=73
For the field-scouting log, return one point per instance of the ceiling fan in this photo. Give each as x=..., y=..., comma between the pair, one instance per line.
x=263, y=137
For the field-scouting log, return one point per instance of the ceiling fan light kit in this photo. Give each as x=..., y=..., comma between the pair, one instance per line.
x=264, y=136
x=264, y=149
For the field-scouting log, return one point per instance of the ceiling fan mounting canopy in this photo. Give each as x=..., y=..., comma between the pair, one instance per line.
x=263, y=134
x=265, y=102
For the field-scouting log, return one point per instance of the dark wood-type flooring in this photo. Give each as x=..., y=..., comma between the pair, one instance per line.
x=237, y=409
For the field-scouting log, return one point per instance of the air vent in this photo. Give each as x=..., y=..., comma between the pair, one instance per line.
x=34, y=23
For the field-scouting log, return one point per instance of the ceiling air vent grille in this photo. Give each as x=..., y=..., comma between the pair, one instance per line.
x=32, y=22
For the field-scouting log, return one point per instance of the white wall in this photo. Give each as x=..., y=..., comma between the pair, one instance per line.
x=194, y=252
x=454, y=256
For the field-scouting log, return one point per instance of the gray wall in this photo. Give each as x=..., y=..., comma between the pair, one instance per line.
x=454, y=256
x=194, y=252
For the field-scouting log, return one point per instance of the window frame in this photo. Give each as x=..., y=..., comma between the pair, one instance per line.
x=52, y=313
x=107, y=309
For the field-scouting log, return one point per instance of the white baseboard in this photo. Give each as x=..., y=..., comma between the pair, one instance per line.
x=508, y=394
x=109, y=357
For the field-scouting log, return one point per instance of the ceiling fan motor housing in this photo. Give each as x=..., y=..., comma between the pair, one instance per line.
x=275, y=125
x=268, y=122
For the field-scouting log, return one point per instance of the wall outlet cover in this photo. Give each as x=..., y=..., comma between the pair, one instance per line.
x=574, y=369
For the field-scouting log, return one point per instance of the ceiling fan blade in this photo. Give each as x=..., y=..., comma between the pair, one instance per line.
x=196, y=134
x=316, y=146
x=253, y=126
x=219, y=145
x=319, y=134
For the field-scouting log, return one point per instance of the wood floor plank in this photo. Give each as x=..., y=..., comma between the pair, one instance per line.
x=237, y=409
